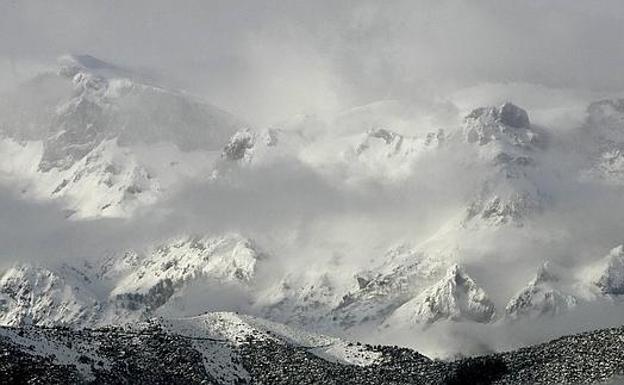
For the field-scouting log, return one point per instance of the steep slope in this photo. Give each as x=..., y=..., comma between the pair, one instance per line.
x=603, y=133
x=545, y=295
x=508, y=142
x=110, y=140
x=166, y=271
x=503, y=146
x=609, y=273
x=130, y=285
x=455, y=297
x=402, y=275
x=35, y=294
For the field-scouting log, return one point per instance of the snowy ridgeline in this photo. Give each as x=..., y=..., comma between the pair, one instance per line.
x=103, y=141
x=188, y=274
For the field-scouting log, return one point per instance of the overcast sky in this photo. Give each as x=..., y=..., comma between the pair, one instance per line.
x=267, y=60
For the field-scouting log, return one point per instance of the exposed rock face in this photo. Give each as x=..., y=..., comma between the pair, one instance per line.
x=508, y=123
x=34, y=294
x=455, y=297
x=513, y=116
x=498, y=212
x=126, y=287
x=604, y=135
x=239, y=146
x=542, y=297
x=611, y=277
x=403, y=275
x=608, y=113
x=110, y=102
x=106, y=141
x=508, y=142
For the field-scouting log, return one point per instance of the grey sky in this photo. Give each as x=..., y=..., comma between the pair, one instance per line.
x=266, y=60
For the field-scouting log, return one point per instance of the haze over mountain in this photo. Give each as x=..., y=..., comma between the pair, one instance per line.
x=449, y=180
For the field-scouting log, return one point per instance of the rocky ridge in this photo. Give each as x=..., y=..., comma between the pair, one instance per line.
x=247, y=353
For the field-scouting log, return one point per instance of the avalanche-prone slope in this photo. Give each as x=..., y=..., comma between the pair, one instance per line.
x=227, y=348
x=177, y=276
x=456, y=297
x=104, y=139
x=544, y=295
x=410, y=285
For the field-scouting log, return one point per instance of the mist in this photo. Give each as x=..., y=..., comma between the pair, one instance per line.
x=340, y=69
x=268, y=61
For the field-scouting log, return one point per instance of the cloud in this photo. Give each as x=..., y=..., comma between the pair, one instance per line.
x=268, y=60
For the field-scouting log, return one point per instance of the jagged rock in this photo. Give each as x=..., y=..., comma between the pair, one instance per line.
x=239, y=145
x=513, y=116
x=607, y=113
x=611, y=276
x=541, y=297
x=34, y=294
x=508, y=122
x=455, y=297
x=127, y=286
x=92, y=116
x=495, y=211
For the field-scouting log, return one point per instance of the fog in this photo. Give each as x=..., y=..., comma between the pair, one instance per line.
x=269, y=61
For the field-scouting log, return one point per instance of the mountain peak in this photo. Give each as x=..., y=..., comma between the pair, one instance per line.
x=71, y=64
x=508, y=114
x=455, y=297
x=544, y=295
x=611, y=278
x=513, y=116
x=508, y=123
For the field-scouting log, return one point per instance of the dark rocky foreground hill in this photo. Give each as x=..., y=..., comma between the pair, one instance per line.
x=154, y=356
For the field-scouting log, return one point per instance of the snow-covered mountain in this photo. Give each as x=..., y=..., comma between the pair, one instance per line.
x=609, y=272
x=603, y=133
x=130, y=285
x=469, y=199
x=455, y=297
x=105, y=140
x=542, y=296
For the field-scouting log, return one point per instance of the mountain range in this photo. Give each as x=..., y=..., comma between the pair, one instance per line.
x=490, y=196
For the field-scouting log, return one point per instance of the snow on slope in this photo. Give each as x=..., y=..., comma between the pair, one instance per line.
x=107, y=147
x=507, y=141
x=66, y=350
x=603, y=133
x=403, y=274
x=610, y=272
x=129, y=285
x=555, y=289
x=455, y=297
x=169, y=267
x=35, y=294
x=237, y=327
x=217, y=337
x=112, y=143
x=546, y=295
